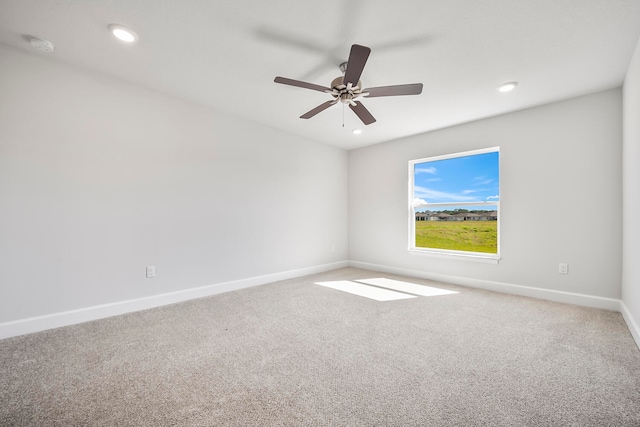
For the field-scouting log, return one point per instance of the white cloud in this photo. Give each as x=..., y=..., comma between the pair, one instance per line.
x=429, y=194
x=485, y=182
x=493, y=197
x=469, y=191
x=418, y=203
x=430, y=170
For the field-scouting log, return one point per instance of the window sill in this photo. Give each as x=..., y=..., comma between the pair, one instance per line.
x=452, y=255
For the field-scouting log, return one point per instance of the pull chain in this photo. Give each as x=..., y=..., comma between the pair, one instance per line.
x=342, y=115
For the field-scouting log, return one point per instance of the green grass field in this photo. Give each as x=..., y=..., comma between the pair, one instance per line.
x=473, y=236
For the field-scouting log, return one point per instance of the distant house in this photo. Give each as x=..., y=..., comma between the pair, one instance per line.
x=439, y=216
x=489, y=216
x=432, y=216
x=462, y=216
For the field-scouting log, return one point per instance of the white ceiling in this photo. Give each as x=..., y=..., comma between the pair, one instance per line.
x=226, y=53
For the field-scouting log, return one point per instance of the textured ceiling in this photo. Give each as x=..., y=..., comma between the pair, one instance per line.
x=225, y=54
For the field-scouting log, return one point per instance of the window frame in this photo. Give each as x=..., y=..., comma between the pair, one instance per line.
x=450, y=253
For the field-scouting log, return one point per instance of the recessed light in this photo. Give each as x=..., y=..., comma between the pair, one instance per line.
x=507, y=87
x=123, y=33
x=357, y=131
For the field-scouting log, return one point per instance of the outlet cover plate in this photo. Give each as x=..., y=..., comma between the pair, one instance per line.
x=563, y=268
x=151, y=272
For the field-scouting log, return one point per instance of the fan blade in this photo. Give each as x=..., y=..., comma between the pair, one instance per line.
x=318, y=109
x=362, y=112
x=298, y=83
x=411, y=89
x=357, y=59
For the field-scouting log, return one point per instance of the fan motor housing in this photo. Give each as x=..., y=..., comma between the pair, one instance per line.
x=339, y=81
x=341, y=93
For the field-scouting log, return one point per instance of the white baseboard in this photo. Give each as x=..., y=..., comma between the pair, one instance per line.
x=546, y=294
x=72, y=317
x=527, y=291
x=631, y=322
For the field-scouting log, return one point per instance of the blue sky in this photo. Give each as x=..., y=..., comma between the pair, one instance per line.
x=472, y=178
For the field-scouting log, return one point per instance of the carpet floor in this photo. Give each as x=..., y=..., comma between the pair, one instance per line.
x=293, y=353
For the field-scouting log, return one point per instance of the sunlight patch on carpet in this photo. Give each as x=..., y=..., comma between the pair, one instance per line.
x=411, y=288
x=367, y=291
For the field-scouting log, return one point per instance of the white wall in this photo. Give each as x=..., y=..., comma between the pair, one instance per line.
x=99, y=178
x=631, y=193
x=560, y=197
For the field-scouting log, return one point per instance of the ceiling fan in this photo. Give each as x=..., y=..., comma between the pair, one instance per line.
x=348, y=88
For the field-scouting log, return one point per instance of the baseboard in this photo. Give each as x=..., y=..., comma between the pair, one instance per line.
x=56, y=320
x=506, y=288
x=72, y=317
x=631, y=323
x=546, y=294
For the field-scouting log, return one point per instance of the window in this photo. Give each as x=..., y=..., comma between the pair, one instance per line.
x=455, y=204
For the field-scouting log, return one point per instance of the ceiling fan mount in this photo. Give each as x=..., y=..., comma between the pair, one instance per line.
x=347, y=88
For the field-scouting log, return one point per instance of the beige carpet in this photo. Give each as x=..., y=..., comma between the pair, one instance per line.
x=293, y=353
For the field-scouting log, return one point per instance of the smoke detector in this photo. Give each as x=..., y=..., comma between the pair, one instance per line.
x=42, y=45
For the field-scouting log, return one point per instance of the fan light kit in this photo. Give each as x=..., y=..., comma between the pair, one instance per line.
x=507, y=87
x=348, y=88
x=41, y=44
x=123, y=33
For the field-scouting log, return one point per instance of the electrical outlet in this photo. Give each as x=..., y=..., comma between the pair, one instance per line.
x=151, y=272
x=563, y=268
